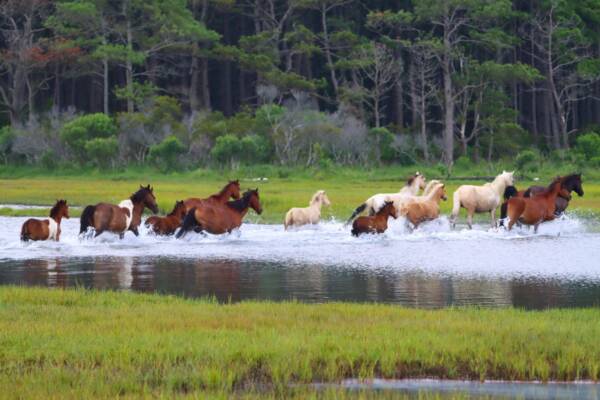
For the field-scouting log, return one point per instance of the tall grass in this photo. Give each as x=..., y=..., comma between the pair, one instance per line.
x=85, y=343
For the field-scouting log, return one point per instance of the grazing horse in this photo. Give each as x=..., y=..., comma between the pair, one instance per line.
x=479, y=199
x=308, y=215
x=231, y=190
x=119, y=219
x=571, y=183
x=220, y=218
x=167, y=225
x=377, y=223
x=35, y=229
x=418, y=211
x=536, y=209
x=374, y=203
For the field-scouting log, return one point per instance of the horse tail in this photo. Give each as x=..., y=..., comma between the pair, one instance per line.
x=358, y=210
x=455, y=206
x=288, y=220
x=87, y=218
x=354, y=231
x=189, y=222
x=24, y=232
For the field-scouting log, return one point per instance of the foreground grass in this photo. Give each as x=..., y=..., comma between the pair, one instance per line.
x=77, y=343
x=347, y=188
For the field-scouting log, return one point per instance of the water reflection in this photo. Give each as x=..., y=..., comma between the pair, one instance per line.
x=232, y=280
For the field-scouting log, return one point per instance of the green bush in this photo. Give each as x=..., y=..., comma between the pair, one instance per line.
x=165, y=155
x=383, y=140
x=76, y=133
x=527, y=160
x=227, y=149
x=588, y=144
x=255, y=149
x=102, y=152
x=463, y=164
x=49, y=160
x=7, y=138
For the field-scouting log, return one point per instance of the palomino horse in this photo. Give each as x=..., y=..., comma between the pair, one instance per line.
x=536, y=209
x=418, y=211
x=374, y=203
x=220, y=218
x=479, y=199
x=119, y=219
x=35, y=229
x=430, y=186
x=231, y=190
x=377, y=223
x=308, y=215
x=571, y=183
x=167, y=225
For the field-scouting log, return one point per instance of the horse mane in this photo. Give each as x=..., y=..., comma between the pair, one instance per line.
x=139, y=196
x=385, y=205
x=242, y=203
x=226, y=187
x=56, y=208
x=178, y=204
x=410, y=180
x=571, y=179
x=548, y=189
x=315, y=196
x=511, y=191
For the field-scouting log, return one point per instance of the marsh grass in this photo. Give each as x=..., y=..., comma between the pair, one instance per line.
x=78, y=343
x=347, y=188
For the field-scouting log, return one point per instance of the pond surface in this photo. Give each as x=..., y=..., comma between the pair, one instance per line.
x=432, y=267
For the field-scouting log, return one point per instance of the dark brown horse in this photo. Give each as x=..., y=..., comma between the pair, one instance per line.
x=377, y=223
x=231, y=190
x=35, y=229
x=119, y=218
x=536, y=209
x=167, y=225
x=571, y=183
x=220, y=218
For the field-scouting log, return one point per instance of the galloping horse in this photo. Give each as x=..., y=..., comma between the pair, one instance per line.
x=119, y=219
x=536, y=209
x=220, y=218
x=377, y=223
x=308, y=215
x=167, y=225
x=418, y=211
x=231, y=190
x=35, y=229
x=479, y=199
x=374, y=203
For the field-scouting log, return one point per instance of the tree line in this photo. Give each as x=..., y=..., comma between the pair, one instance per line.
x=296, y=81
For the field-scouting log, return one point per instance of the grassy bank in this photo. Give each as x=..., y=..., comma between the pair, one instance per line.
x=285, y=188
x=76, y=343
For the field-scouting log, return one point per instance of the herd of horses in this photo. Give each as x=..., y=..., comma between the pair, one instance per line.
x=224, y=212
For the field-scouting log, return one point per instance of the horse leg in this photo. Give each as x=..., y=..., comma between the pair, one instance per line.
x=121, y=235
x=98, y=232
x=135, y=231
x=470, y=218
x=493, y=216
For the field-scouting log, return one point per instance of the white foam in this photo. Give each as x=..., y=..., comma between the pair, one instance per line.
x=566, y=249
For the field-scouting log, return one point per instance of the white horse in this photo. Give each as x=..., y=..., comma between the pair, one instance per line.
x=480, y=199
x=374, y=203
x=308, y=215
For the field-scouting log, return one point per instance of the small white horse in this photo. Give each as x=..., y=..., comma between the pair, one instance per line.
x=308, y=215
x=480, y=199
x=374, y=203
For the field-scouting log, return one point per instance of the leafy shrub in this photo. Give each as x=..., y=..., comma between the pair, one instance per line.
x=76, y=133
x=463, y=164
x=49, y=160
x=6, y=142
x=102, y=152
x=527, y=160
x=383, y=139
x=255, y=149
x=227, y=149
x=588, y=144
x=165, y=155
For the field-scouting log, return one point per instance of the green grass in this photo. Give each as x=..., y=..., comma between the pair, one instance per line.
x=346, y=187
x=78, y=343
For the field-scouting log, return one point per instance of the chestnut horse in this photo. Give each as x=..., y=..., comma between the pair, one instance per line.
x=428, y=209
x=35, y=229
x=537, y=209
x=571, y=183
x=377, y=223
x=220, y=218
x=232, y=189
x=119, y=219
x=167, y=225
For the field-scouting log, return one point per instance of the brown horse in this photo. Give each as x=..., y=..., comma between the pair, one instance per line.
x=231, y=190
x=220, y=218
x=571, y=183
x=377, y=223
x=536, y=209
x=119, y=219
x=169, y=224
x=35, y=229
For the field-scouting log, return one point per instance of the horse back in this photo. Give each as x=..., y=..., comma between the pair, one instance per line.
x=35, y=229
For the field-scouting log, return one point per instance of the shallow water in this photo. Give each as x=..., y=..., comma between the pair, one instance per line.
x=431, y=267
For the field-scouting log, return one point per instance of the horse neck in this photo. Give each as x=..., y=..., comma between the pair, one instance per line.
x=317, y=204
x=413, y=188
x=499, y=185
x=57, y=217
x=240, y=206
x=138, y=209
x=224, y=194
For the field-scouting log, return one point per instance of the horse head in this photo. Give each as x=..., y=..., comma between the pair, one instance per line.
x=254, y=200
x=574, y=184
x=441, y=192
x=145, y=195
x=60, y=210
x=178, y=209
x=508, y=178
x=234, y=189
x=388, y=209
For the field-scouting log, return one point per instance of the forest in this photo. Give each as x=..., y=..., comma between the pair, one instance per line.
x=189, y=83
